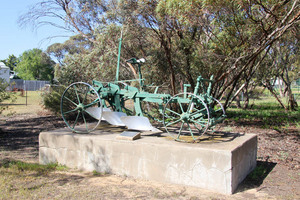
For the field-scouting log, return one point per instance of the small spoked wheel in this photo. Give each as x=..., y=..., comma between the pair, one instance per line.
x=81, y=107
x=186, y=117
x=217, y=113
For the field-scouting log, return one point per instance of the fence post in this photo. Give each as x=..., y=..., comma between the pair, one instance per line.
x=25, y=91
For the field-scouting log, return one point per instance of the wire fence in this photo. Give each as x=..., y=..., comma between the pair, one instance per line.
x=19, y=84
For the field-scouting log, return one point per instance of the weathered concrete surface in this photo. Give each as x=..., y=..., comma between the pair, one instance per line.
x=217, y=166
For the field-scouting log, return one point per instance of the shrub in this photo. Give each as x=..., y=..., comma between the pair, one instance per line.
x=51, y=98
x=4, y=94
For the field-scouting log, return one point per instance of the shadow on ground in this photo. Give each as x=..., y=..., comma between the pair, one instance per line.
x=256, y=178
x=23, y=133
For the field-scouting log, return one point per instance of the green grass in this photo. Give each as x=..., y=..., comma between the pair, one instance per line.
x=35, y=167
x=19, y=106
x=95, y=173
x=265, y=114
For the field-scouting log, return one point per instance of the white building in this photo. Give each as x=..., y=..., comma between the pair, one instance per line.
x=4, y=72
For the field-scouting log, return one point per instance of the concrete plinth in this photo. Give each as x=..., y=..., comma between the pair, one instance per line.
x=215, y=165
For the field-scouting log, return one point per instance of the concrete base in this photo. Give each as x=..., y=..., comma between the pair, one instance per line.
x=217, y=165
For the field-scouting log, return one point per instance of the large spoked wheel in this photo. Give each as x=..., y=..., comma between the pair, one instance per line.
x=81, y=107
x=186, y=117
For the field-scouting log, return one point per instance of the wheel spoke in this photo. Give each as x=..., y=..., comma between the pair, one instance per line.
x=180, y=130
x=191, y=131
x=198, y=111
x=70, y=111
x=70, y=100
x=91, y=104
x=172, y=111
x=76, y=120
x=196, y=122
x=196, y=127
x=182, y=111
x=75, y=88
x=171, y=123
x=85, y=121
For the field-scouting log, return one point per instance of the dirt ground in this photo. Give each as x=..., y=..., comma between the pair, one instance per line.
x=277, y=175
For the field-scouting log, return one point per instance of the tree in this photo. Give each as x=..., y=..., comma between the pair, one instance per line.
x=239, y=35
x=11, y=62
x=281, y=67
x=182, y=39
x=35, y=65
x=74, y=45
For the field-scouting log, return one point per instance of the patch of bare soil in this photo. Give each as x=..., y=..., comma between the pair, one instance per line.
x=276, y=176
x=279, y=146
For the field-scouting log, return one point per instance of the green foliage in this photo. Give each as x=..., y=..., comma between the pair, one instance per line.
x=4, y=95
x=95, y=173
x=51, y=99
x=11, y=62
x=35, y=65
x=23, y=166
x=179, y=39
x=75, y=45
x=3, y=92
x=265, y=114
x=258, y=173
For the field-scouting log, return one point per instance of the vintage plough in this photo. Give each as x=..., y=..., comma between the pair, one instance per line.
x=185, y=116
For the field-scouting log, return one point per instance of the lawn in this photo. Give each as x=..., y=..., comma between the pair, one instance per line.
x=265, y=113
x=29, y=103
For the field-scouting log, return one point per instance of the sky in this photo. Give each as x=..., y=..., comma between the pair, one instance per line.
x=14, y=39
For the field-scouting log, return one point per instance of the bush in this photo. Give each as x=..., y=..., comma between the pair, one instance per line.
x=51, y=99
x=4, y=94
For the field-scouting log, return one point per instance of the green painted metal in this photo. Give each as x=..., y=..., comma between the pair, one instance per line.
x=119, y=56
x=77, y=102
x=186, y=116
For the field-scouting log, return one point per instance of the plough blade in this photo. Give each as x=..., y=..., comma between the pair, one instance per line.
x=121, y=119
x=138, y=123
x=114, y=118
x=94, y=112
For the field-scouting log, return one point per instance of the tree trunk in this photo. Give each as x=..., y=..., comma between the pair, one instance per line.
x=170, y=64
x=238, y=102
x=270, y=88
x=292, y=103
x=246, y=99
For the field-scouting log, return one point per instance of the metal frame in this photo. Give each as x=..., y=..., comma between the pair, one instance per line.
x=187, y=109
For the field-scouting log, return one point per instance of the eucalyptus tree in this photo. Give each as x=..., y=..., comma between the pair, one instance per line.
x=227, y=39
x=281, y=67
x=239, y=34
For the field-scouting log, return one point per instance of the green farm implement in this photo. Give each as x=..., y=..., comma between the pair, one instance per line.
x=185, y=116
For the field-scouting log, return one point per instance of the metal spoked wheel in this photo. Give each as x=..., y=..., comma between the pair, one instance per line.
x=81, y=107
x=186, y=117
x=217, y=113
